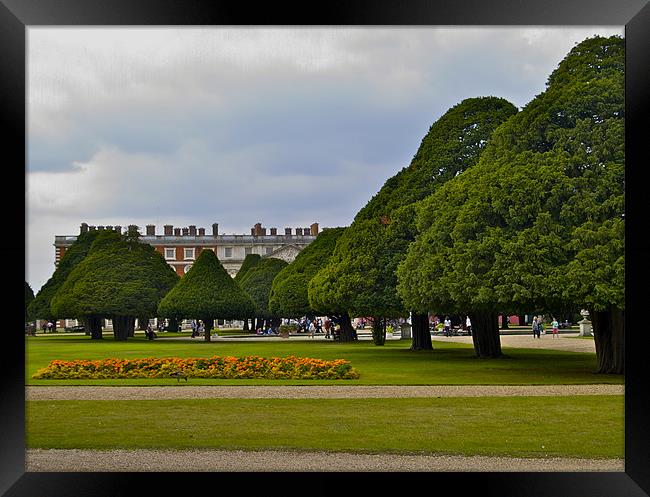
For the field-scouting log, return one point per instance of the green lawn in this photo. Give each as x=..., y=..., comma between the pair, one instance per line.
x=579, y=426
x=392, y=364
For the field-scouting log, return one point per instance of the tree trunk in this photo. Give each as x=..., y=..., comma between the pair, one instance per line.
x=347, y=332
x=131, y=328
x=485, y=334
x=609, y=338
x=245, y=328
x=142, y=323
x=93, y=324
x=504, y=322
x=421, y=336
x=207, y=323
x=379, y=330
x=122, y=327
x=172, y=325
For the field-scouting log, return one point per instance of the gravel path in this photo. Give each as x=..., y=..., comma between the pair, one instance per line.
x=565, y=341
x=260, y=461
x=310, y=392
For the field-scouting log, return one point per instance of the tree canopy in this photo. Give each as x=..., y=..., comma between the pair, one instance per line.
x=40, y=307
x=206, y=292
x=257, y=283
x=361, y=274
x=250, y=261
x=289, y=297
x=120, y=277
x=537, y=223
x=29, y=296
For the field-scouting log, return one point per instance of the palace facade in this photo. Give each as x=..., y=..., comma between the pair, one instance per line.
x=180, y=246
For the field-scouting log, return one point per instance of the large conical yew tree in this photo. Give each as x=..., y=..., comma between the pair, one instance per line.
x=121, y=278
x=538, y=222
x=40, y=307
x=250, y=261
x=289, y=296
x=207, y=292
x=257, y=283
x=368, y=253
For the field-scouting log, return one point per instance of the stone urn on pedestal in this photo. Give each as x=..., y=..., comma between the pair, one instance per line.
x=585, y=324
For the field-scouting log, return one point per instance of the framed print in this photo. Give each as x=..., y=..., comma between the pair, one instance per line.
x=87, y=133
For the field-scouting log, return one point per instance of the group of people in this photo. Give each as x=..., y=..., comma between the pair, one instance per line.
x=48, y=327
x=268, y=331
x=318, y=325
x=538, y=327
x=198, y=328
x=448, y=329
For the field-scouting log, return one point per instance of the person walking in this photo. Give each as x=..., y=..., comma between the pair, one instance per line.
x=554, y=327
x=447, y=326
x=328, y=326
x=312, y=329
x=194, y=328
x=468, y=325
x=535, y=328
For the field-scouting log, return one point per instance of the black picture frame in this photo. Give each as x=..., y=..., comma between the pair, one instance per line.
x=17, y=15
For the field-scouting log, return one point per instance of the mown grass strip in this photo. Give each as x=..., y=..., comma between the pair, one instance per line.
x=392, y=364
x=581, y=426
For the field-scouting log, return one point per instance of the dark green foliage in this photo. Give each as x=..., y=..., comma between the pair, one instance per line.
x=250, y=261
x=257, y=283
x=40, y=306
x=29, y=296
x=361, y=274
x=206, y=290
x=289, y=296
x=119, y=277
x=538, y=222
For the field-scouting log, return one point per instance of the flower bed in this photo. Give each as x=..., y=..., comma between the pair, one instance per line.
x=290, y=367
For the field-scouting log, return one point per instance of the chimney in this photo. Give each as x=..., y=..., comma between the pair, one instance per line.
x=253, y=231
x=274, y=231
x=258, y=229
x=151, y=230
x=132, y=230
x=83, y=228
x=287, y=231
x=299, y=231
x=215, y=229
x=192, y=230
x=305, y=231
x=186, y=231
x=118, y=229
x=100, y=228
x=177, y=232
x=109, y=228
x=201, y=231
x=263, y=230
x=91, y=228
x=314, y=229
x=169, y=229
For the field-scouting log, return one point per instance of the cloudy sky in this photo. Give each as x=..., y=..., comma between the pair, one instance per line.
x=283, y=126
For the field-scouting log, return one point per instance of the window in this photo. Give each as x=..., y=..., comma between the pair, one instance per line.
x=170, y=253
x=189, y=253
x=248, y=250
x=228, y=251
x=187, y=268
x=268, y=250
